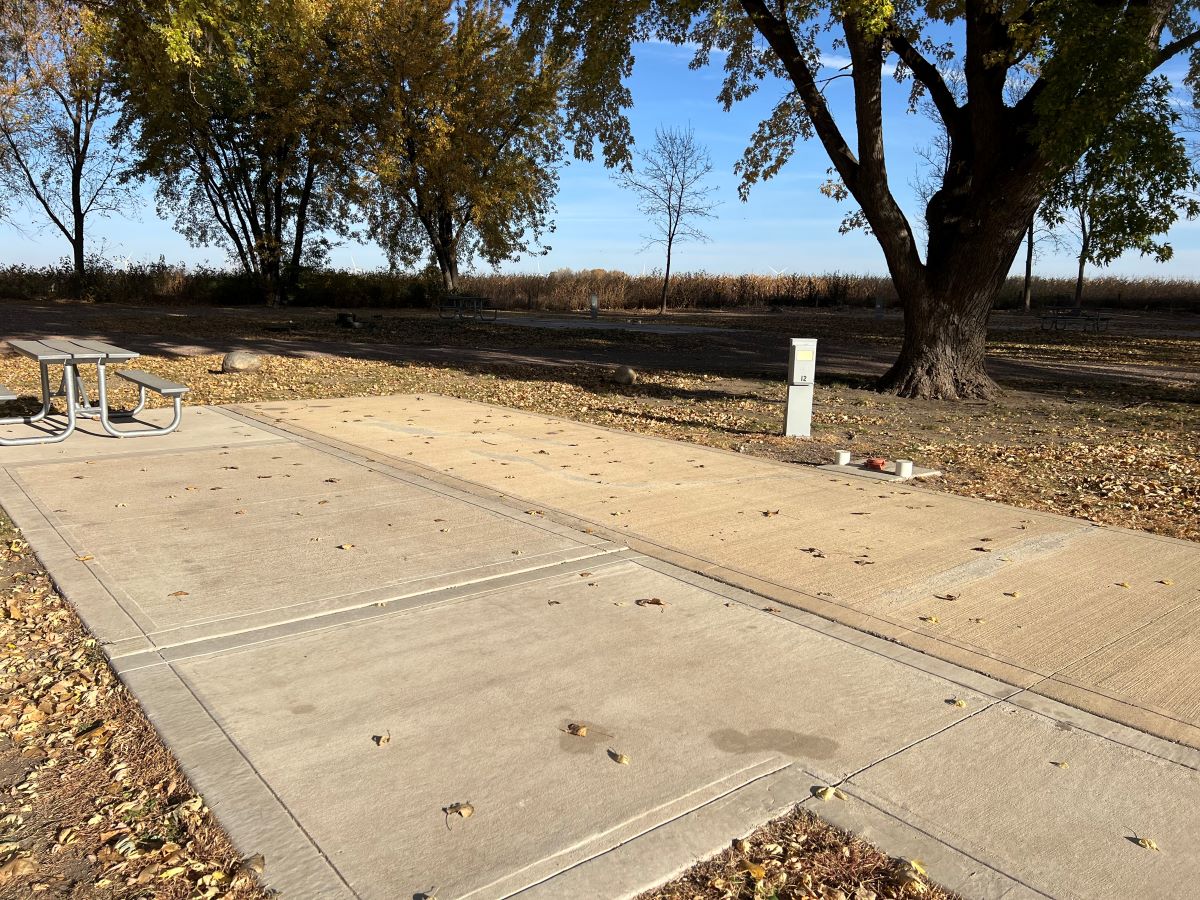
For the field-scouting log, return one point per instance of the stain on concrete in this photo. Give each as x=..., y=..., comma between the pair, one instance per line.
x=774, y=740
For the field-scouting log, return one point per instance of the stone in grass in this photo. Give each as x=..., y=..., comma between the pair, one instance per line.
x=241, y=361
x=624, y=375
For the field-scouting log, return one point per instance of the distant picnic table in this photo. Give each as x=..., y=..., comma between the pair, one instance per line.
x=1060, y=318
x=461, y=307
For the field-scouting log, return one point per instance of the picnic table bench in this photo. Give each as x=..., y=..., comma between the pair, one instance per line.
x=1062, y=317
x=461, y=307
x=71, y=354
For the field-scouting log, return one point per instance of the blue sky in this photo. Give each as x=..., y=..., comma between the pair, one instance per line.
x=786, y=225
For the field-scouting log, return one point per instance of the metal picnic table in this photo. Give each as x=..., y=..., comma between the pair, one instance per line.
x=71, y=354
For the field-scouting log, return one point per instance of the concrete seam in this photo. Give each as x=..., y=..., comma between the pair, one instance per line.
x=650, y=830
x=313, y=624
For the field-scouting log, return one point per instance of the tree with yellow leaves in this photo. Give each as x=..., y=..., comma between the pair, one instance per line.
x=238, y=108
x=462, y=137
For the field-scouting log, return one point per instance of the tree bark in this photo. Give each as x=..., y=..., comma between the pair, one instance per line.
x=1027, y=288
x=945, y=339
x=662, y=310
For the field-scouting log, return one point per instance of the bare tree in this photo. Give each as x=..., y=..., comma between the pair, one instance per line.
x=56, y=116
x=671, y=191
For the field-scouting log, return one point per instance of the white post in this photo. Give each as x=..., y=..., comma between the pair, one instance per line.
x=802, y=373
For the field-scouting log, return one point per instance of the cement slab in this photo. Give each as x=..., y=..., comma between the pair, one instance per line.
x=1034, y=595
x=704, y=695
x=213, y=541
x=991, y=788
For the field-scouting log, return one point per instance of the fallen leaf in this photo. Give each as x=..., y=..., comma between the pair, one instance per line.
x=1167, y=581
x=382, y=740
x=767, y=513
x=1123, y=584
x=15, y=868
x=1147, y=843
x=932, y=620
x=463, y=810
x=650, y=601
x=957, y=701
x=345, y=546
x=85, y=558
x=554, y=603
x=946, y=596
x=1060, y=763
x=771, y=609
x=178, y=594
x=753, y=869
x=619, y=758
x=825, y=793
x=1013, y=594
x=577, y=730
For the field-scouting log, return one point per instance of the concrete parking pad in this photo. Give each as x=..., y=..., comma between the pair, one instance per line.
x=1038, y=600
x=275, y=663
x=1012, y=784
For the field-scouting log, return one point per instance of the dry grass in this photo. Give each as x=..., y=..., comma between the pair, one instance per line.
x=93, y=804
x=163, y=283
x=798, y=857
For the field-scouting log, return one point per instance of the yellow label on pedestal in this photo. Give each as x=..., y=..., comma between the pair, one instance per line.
x=803, y=356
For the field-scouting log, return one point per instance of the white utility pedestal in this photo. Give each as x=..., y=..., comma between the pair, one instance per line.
x=802, y=373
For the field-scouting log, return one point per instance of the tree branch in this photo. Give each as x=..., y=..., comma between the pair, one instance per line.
x=781, y=40
x=1176, y=47
x=926, y=73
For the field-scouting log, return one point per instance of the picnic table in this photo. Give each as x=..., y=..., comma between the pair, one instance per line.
x=1057, y=318
x=71, y=354
x=464, y=306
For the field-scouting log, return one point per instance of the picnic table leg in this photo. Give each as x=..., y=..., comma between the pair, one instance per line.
x=101, y=377
x=46, y=401
x=71, y=419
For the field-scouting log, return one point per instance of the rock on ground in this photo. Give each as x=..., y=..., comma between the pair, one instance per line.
x=624, y=375
x=241, y=361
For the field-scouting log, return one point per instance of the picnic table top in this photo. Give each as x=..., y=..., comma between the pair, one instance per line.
x=52, y=350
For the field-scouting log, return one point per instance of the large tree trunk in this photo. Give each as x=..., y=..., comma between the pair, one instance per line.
x=943, y=353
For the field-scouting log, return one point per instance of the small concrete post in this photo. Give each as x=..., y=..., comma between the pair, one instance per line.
x=842, y=458
x=802, y=373
x=594, y=305
x=904, y=468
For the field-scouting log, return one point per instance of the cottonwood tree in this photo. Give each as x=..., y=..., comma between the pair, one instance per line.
x=1004, y=153
x=1128, y=188
x=239, y=111
x=671, y=191
x=463, y=133
x=58, y=151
